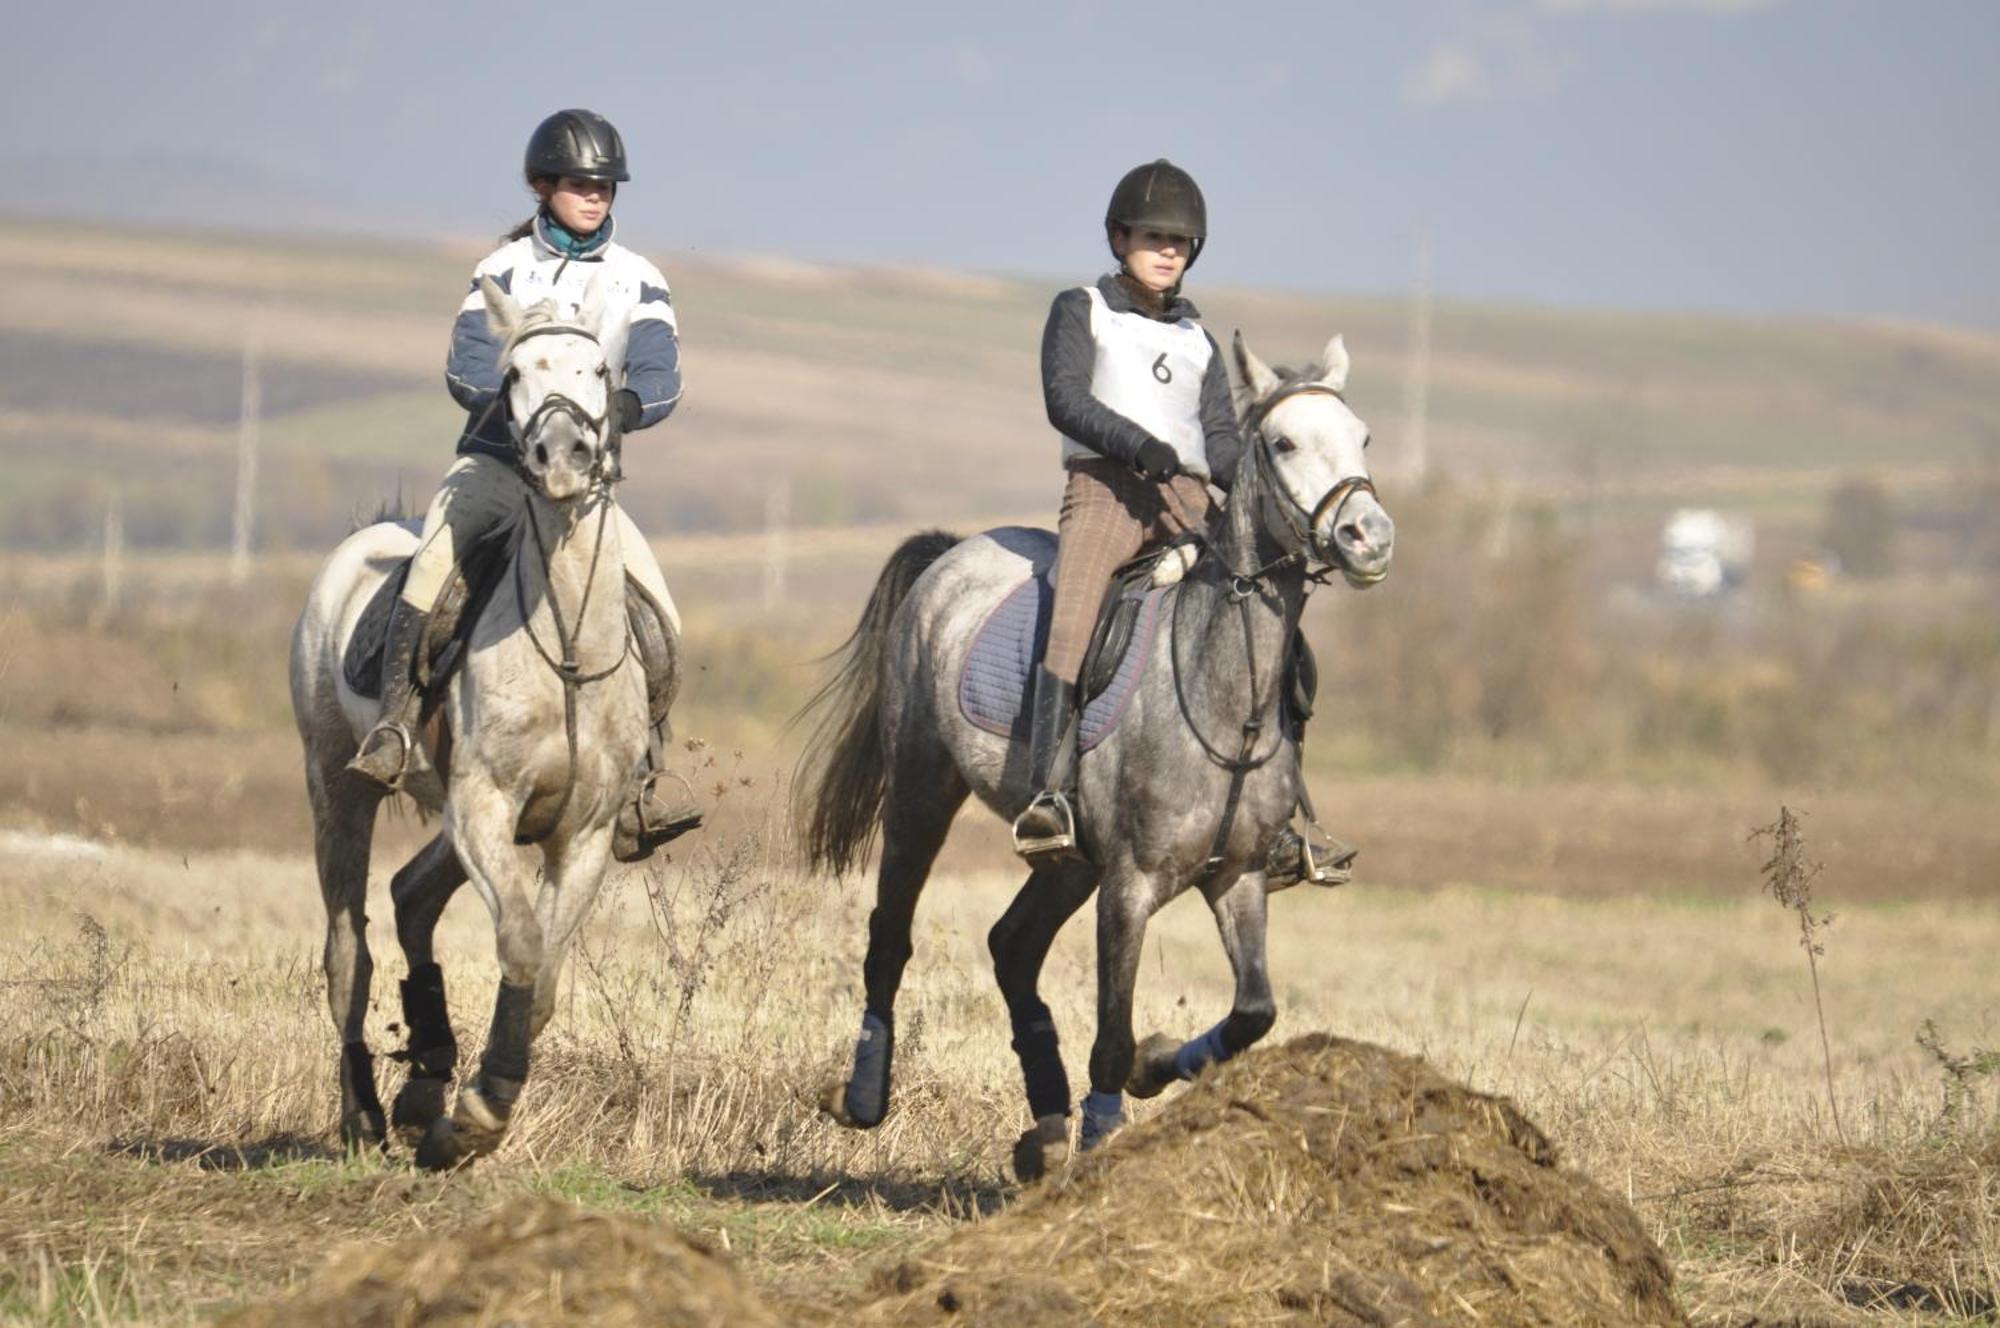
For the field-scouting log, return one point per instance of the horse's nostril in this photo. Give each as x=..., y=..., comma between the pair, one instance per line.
x=1350, y=534
x=541, y=454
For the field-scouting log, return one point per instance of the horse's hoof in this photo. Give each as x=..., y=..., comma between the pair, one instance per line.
x=1041, y=1149
x=833, y=1104
x=1153, y=1066
x=480, y=1122
x=419, y=1104
x=438, y=1149
x=361, y=1131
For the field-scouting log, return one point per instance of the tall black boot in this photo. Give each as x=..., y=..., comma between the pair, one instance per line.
x=1046, y=831
x=391, y=752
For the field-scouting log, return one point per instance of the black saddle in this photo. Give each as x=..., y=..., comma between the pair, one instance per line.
x=655, y=639
x=453, y=617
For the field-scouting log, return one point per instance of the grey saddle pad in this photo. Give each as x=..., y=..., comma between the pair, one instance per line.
x=993, y=686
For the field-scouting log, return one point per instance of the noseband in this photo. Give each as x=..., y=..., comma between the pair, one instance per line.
x=1304, y=524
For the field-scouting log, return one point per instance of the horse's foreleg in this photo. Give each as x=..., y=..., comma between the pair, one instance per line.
x=343, y=831
x=1019, y=943
x=480, y=823
x=917, y=814
x=1240, y=918
x=421, y=890
x=1123, y=908
x=574, y=876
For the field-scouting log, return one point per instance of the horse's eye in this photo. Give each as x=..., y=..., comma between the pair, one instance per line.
x=604, y=371
x=1366, y=439
x=1283, y=444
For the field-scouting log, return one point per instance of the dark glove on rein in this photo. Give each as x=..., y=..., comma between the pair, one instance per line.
x=1157, y=461
x=625, y=405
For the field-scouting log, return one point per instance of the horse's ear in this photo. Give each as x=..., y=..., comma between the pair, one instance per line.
x=1333, y=363
x=503, y=315
x=1255, y=372
x=590, y=313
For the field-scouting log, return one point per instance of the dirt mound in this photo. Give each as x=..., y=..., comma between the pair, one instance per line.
x=543, y=1263
x=1325, y=1182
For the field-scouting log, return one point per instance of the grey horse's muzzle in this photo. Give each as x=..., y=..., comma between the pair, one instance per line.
x=1352, y=532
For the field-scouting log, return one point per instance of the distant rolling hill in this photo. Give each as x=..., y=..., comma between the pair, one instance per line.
x=882, y=396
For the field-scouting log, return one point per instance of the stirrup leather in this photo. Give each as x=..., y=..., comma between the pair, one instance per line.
x=1063, y=841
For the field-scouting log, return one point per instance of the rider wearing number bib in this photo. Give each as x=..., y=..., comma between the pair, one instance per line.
x=574, y=164
x=1138, y=391
x=1140, y=395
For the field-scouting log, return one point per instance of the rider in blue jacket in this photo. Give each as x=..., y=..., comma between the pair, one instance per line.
x=574, y=164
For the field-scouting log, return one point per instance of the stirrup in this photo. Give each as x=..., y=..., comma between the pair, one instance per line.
x=407, y=748
x=633, y=837
x=1062, y=843
x=1310, y=856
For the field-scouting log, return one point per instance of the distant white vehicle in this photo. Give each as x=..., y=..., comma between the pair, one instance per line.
x=1703, y=553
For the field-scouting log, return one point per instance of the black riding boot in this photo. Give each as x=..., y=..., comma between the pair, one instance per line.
x=391, y=752
x=1046, y=831
x=648, y=820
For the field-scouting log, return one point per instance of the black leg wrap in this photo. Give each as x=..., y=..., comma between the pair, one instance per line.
x=1041, y=1063
x=433, y=1049
x=867, y=1099
x=505, y=1065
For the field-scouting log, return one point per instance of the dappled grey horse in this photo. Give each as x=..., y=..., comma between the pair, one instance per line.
x=547, y=722
x=1187, y=792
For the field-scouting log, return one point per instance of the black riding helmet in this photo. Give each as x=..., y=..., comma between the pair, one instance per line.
x=1162, y=196
x=579, y=144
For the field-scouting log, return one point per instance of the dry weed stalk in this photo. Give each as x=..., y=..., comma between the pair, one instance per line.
x=1789, y=875
x=1961, y=1073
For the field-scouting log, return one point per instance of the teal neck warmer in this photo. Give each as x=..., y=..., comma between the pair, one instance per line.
x=570, y=245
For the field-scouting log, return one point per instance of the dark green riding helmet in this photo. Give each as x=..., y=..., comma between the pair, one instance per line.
x=1162, y=196
x=579, y=144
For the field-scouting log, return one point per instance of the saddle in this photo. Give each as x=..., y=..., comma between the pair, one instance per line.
x=459, y=604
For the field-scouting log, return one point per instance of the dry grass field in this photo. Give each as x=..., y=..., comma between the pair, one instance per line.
x=1552, y=775
x=166, y=1073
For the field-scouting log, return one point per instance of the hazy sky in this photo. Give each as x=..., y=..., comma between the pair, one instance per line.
x=1794, y=155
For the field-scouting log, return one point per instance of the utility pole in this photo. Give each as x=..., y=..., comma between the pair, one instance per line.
x=777, y=516
x=114, y=549
x=1417, y=383
x=246, y=461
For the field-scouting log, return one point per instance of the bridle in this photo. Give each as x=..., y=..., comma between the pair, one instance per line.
x=557, y=403
x=1303, y=523
x=1310, y=557
x=603, y=474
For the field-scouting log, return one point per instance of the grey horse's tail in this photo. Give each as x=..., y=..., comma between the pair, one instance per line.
x=837, y=801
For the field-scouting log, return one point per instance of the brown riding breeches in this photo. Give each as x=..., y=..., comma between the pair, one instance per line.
x=1110, y=515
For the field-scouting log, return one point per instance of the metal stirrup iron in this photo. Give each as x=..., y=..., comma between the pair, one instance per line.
x=1063, y=841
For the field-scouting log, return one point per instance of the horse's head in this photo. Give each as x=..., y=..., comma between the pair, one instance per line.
x=558, y=387
x=1308, y=448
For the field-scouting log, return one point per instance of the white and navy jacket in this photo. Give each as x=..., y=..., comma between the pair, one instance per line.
x=640, y=334
x=1114, y=376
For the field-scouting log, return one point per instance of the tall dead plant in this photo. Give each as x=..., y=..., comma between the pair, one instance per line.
x=1789, y=876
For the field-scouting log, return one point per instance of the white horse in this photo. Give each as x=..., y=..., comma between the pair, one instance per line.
x=544, y=726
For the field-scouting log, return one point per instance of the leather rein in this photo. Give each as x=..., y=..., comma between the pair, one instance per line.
x=567, y=669
x=1258, y=583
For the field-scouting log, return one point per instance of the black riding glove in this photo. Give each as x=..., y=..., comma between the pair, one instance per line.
x=1157, y=461
x=626, y=409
